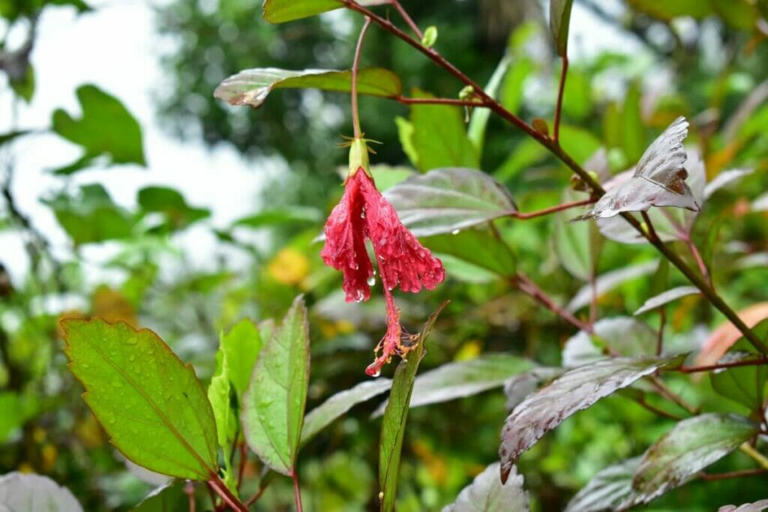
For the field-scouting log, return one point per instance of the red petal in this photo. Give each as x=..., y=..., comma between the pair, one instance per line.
x=344, y=247
x=402, y=260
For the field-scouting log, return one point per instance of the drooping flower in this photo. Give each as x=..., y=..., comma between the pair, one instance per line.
x=363, y=213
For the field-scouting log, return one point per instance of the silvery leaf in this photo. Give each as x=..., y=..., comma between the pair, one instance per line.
x=658, y=178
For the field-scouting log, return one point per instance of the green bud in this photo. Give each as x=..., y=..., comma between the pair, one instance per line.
x=466, y=93
x=430, y=37
x=358, y=156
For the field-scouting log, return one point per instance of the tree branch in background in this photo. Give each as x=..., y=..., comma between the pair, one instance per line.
x=560, y=153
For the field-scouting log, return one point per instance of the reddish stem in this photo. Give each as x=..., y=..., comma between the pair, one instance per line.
x=230, y=499
x=355, y=67
x=699, y=260
x=241, y=463
x=734, y=364
x=438, y=101
x=407, y=18
x=559, y=106
x=564, y=157
x=527, y=286
x=733, y=474
x=656, y=410
x=552, y=209
x=189, y=490
x=296, y=490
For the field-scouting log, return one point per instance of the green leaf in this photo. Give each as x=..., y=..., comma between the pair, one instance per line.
x=625, y=336
x=579, y=143
x=10, y=136
x=252, y=86
x=577, y=244
x=633, y=130
x=14, y=414
x=559, y=20
x=24, y=87
x=666, y=297
x=610, y=280
x=514, y=84
x=395, y=416
x=446, y=200
x=149, y=402
x=691, y=446
x=465, y=378
x=480, y=116
x=338, y=404
x=105, y=128
x=488, y=494
x=280, y=11
x=172, y=205
x=405, y=135
x=168, y=498
x=666, y=10
x=607, y=490
x=219, y=397
x=477, y=247
x=573, y=391
x=439, y=136
x=281, y=216
x=35, y=493
x=241, y=347
x=744, y=384
x=91, y=216
x=273, y=406
x=525, y=154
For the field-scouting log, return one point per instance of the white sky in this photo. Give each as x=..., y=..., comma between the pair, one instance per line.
x=116, y=48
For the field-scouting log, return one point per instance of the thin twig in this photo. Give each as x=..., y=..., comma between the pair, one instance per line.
x=407, y=18
x=660, y=334
x=296, y=490
x=241, y=464
x=438, y=101
x=656, y=410
x=527, y=286
x=699, y=260
x=671, y=395
x=758, y=457
x=253, y=499
x=230, y=499
x=559, y=105
x=551, y=209
x=564, y=157
x=733, y=364
x=355, y=68
x=189, y=489
x=732, y=474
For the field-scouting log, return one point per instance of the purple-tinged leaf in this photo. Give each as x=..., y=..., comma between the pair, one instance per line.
x=573, y=391
x=608, y=489
x=680, y=454
x=487, y=494
x=665, y=298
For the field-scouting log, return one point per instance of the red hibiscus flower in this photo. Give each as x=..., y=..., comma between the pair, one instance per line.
x=362, y=214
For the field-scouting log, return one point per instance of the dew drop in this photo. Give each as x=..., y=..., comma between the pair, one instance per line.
x=376, y=374
x=371, y=281
x=455, y=231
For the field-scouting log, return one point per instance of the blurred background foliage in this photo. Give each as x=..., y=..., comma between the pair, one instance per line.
x=702, y=59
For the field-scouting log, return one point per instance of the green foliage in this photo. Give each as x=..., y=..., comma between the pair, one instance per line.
x=559, y=21
x=439, y=138
x=151, y=404
x=105, y=128
x=447, y=200
x=252, y=86
x=171, y=204
x=273, y=406
x=681, y=453
x=488, y=494
x=92, y=216
x=395, y=416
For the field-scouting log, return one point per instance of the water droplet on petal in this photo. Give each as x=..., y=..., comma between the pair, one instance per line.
x=371, y=281
x=376, y=374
